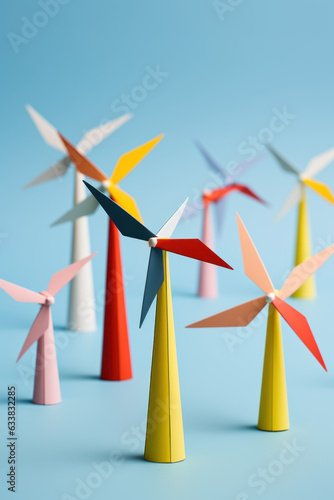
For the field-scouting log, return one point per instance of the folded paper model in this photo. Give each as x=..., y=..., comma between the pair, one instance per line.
x=47, y=387
x=298, y=195
x=81, y=287
x=166, y=442
x=273, y=415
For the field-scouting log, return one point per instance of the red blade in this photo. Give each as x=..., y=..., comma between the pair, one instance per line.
x=300, y=326
x=193, y=248
x=219, y=193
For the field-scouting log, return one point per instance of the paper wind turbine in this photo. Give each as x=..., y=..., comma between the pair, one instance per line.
x=273, y=414
x=81, y=312
x=164, y=443
x=298, y=195
x=207, y=284
x=47, y=387
x=116, y=357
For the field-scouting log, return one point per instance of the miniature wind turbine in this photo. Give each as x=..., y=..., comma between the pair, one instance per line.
x=81, y=312
x=116, y=357
x=207, y=284
x=273, y=414
x=47, y=387
x=166, y=443
x=298, y=195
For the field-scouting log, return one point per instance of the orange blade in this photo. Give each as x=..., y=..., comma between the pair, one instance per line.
x=300, y=326
x=236, y=316
x=83, y=165
x=129, y=160
x=253, y=265
x=303, y=271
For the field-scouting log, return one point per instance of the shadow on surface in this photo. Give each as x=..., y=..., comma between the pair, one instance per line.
x=81, y=376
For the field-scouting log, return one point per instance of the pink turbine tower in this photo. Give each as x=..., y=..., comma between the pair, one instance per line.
x=207, y=284
x=47, y=387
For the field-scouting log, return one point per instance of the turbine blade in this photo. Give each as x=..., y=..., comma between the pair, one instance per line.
x=48, y=132
x=83, y=165
x=125, y=201
x=285, y=164
x=318, y=163
x=42, y=323
x=293, y=198
x=303, y=271
x=213, y=164
x=85, y=207
x=94, y=136
x=253, y=265
x=126, y=224
x=129, y=160
x=154, y=280
x=300, y=326
x=167, y=229
x=61, y=278
x=54, y=172
x=21, y=294
x=193, y=248
x=218, y=194
x=240, y=315
x=320, y=188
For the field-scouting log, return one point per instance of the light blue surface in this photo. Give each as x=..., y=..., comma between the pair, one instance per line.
x=223, y=80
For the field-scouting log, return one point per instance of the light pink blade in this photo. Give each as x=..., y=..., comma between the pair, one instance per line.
x=303, y=271
x=41, y=324
x=253, y=265
x=236, y=316
x=61, y=278
x=21, y=294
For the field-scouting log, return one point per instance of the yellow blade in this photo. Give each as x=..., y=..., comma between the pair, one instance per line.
x=129, y=160
x=320, y=188
x=125, y=201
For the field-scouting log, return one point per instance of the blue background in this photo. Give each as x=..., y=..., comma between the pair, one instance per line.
x=225, y=76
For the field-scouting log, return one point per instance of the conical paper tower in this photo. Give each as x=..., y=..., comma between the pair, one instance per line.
x=164, y=435
x=273, y=414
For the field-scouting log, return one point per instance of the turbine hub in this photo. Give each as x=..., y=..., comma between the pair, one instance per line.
x=50, y=300
x=270, y=297
x=106, y=183
x=152, y=242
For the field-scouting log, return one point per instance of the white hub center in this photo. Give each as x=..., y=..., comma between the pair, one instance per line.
x=152, y=242
x=270, y=297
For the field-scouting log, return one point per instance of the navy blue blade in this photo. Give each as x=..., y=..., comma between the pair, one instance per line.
x=125, y=223
x=154, y=280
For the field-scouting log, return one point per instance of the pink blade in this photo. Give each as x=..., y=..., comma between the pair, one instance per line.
x=61, y=278
x=303, y=271
x=253, y=265
x=41, y=324
x=236, y=316
x=21, y=294
x=300, y=326
x=193, y=248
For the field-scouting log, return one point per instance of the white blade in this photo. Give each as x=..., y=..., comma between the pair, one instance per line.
x=86, y=207
x=47, y=131
x=318, y=163
x=293, y=198
x=94, y=136
x=285, y=164
x=167, y=229
x=57, y=170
